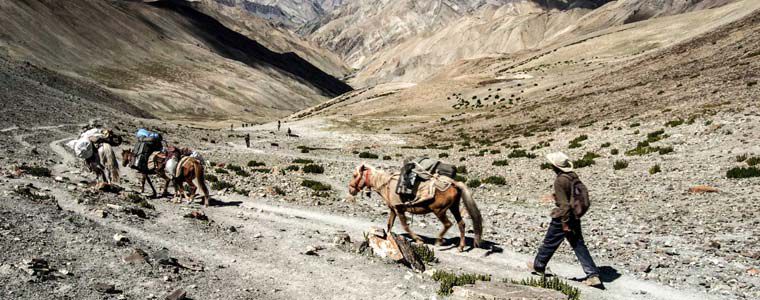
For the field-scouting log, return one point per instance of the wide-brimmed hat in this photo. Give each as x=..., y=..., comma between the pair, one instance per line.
x=561, y=161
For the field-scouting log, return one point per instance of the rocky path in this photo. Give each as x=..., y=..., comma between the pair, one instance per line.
x=263, y=255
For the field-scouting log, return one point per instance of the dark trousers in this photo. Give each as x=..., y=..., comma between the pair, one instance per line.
x=555, y=236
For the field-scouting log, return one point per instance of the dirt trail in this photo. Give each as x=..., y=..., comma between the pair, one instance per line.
x=271, y=237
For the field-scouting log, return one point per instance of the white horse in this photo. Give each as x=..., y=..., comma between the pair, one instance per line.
x=104, y=164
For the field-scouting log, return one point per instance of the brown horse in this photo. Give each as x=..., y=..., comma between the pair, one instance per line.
x=190, y=171
x=159, y=164
x=384, y=184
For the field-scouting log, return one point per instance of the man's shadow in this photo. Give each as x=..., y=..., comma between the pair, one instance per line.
x=453, y=243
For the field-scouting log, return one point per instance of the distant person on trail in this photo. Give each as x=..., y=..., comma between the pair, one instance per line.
x=571, y=199
x=290, y=133
x=279, y=124
x=231, y=127
x=248, y=140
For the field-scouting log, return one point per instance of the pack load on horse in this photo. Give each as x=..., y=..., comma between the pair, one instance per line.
x=95, y=147
x=420, y=177
x=437, y=195
x=187, y=166
x=148, y=142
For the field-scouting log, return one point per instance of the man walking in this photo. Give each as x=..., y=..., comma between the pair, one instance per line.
x=248, y=140
x=569, y=194
x=278, y=125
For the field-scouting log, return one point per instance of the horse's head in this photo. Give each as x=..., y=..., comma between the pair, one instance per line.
x=126, y=156
x=358, y=180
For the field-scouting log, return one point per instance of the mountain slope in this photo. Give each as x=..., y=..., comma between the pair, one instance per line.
x=164, y=57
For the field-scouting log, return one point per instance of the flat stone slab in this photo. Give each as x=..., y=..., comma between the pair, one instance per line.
x=491, y=290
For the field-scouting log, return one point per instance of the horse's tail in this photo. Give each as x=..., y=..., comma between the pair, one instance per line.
x=472, y=210
x=110, y=162
x=200, y=178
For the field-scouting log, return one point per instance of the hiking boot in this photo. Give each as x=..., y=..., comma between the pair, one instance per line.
x=592, y=281
x=533, y=269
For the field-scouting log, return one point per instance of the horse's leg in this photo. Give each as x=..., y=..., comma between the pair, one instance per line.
x=460, y=223
x=391, y=220
x=166, y=183
x=150, y=183
x=142, y=183
x=446, y=225
x=402, y=218
x=193, y=190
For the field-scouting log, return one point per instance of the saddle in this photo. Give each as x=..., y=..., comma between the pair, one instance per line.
x=424, y=190
x=420, y=171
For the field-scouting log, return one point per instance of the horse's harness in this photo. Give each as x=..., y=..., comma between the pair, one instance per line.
x=365, y=181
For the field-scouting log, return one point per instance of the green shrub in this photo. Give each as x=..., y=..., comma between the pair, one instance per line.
x=741, y=158
x=211, y=178
x=738, y=172
x=473, y=183
x=500, y=163
x=586, y=161
x=221, y=184
x=292, y=168
x=242, y=173
x=387, y=157
x=495, y=180
x=656, y=136
x=443, y=155
x=620, y=164
x=635, y=125
x=546, y=166
x=262, y=170
x=368, y=155
x=614, y=151
x=302, y=161
x=450, y=280
x=234, y=168
x=553, y=283
x=315, y=185
x=654, y=169
x=254, y=164
x=424, y=253
x=314, y=169
x=495, y=151
x=675, y=123
x=460, y=178
x=517, y=153
x=221, y=171
x=606, y=145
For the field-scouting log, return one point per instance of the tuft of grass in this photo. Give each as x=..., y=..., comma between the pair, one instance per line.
x=495, y=180
x=262, y=170
x=36, y=171
x=293, y=168
x=221, y=184
x=473, y=183
x=553, y=283
x=242, y=173
x=314, y=169
x=654, y=170
x=449, y=280
x=302, y=161
x=461, y=169
x=443, y=155
x=742, y=158
x=460, y=178
x=387, y=157
x=620, y=164
x=211, y=178
x=739, y=172
x=424, y=253
x=753, y=161
x=614, y=151
x=546, y=166
x=576, y=142
x=500, y=163
x=254, y=164
x=517, y=153
x=606, y=145
x=368, y=155
x=221, y=171
x=316, y=185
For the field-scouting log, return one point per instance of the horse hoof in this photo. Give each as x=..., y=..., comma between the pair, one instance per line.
x=460, y=248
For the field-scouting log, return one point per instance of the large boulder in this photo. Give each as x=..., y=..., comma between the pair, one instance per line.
x=492, y=290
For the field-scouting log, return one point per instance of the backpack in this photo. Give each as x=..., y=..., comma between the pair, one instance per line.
x=579, y=198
